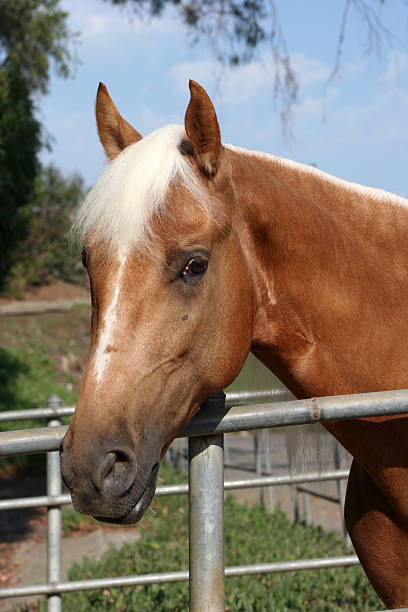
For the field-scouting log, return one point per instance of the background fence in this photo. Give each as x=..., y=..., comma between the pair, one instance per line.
x=206, y=486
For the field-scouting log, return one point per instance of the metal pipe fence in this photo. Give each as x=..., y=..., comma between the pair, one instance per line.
x=237, y=398
x=179, y=489
x=238, y=418
x=54, y=523
x=205, y=432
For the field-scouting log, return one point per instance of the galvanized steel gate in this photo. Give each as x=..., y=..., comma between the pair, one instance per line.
x=206, y=488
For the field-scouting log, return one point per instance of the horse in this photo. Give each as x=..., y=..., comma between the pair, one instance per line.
x=199, y=252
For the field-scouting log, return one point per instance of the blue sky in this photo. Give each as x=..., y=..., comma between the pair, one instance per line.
x=355, y=127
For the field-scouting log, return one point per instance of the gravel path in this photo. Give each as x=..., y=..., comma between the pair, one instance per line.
x=13, y=309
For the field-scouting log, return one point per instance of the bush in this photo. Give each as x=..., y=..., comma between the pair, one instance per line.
x=251, y=536
x=27, y=378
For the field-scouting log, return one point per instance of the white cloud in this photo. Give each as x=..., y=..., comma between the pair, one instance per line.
x=242, y=83
x=93, y=19
x=355, y=68
x=202, y=71
x=309, y=71
x=381, y=113
x=315, y=107
x=112, y=31
x=396, y=69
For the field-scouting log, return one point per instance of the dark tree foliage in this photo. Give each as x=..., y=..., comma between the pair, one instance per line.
x=19, y=145
x=33, y=33
x=46, y=252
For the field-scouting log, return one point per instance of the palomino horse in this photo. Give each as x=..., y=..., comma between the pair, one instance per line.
x=200, y=252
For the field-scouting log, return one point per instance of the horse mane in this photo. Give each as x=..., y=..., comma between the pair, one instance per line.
x=119, y=207
x=374, y=193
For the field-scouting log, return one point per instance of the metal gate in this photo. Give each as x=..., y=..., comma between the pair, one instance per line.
x=205, y=431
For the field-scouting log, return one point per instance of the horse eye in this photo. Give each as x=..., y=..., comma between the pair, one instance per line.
x=195, y=267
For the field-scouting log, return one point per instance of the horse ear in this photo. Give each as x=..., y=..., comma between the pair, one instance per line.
x=203, y=130
x=115, y=133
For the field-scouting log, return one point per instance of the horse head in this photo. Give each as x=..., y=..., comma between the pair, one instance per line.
x=172, y=303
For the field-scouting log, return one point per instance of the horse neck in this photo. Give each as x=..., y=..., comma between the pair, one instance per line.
x=329, y=265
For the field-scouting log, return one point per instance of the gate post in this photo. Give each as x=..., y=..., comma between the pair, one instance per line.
x=54, y=514
x=206, y=517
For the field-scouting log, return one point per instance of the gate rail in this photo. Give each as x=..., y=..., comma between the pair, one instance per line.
x=206, y=483
x=238, y=418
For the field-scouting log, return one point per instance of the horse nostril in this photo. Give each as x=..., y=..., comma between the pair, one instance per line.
x=115, y=463
x=117, y=472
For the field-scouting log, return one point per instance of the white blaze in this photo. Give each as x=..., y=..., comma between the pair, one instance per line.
x=102, y=356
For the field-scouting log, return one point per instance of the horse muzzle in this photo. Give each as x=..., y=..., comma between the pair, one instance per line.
x=107, y=482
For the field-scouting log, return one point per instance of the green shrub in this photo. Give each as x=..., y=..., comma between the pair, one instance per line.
x=251, y=536
x=27, y=378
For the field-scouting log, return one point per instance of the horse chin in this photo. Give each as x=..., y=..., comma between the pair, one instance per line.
x=139, y=509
